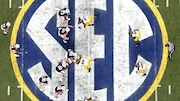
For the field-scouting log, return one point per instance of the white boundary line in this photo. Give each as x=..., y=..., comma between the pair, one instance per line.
x=10, y=3
x=8, y=90
x=21, y=92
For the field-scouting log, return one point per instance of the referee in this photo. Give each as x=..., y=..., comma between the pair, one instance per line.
x=171, y=49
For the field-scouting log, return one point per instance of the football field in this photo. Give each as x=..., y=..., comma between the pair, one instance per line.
x=113, y=76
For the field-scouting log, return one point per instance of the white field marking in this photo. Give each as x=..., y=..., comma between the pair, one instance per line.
x=125, y=83
x=154, y=1
x=8, y=90
x=167, y=3
x=10, y=3
x=44, y=40
x=169, y=89
x=22, y=5
x=21, y=96
x=94, y=48
x=156, y=93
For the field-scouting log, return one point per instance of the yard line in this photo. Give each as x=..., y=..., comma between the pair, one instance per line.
x=10, y=3
x=169, y=89
x=167, y=3
x=154, y=1
x=156, y=93
x=22, y=5
x=21, y=93
x=8, y=90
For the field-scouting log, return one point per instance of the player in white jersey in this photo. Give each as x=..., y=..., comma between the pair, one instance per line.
x=5, y=27
x=73, y=57
x=43, y=81
x=171, y=49
x=141, y=68
x=64, y=13
x=63, y=32
x=59, y=90
x=135, y=34
x=61, y=68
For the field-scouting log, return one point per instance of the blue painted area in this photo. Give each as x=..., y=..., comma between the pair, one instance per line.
x=150, y=49
x=104, y=67
x=71, y=43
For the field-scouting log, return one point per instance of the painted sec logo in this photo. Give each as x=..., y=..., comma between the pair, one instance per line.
x=127, y=41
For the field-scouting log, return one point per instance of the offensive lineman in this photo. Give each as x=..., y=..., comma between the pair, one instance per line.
x=171, y=49
x=64, y=13
x=61, y=68
x=86, y=21
x=43, y=81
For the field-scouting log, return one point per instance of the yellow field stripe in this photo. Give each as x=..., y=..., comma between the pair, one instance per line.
x=13, y=58
x=164, y=51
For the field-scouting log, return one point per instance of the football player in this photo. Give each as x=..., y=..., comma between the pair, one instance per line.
x=171, y=49
x=5, y=27
x=43, y=81
x=141, y=68
x=77, y=59
x=15, y=49
x=63, y=32
x=135, y=34
x=61, y=68
x=59, y=90
x=64, y=13
x=86, y=21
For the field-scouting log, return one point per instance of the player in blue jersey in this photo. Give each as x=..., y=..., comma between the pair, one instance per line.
x=5, y=27
x=171, y=49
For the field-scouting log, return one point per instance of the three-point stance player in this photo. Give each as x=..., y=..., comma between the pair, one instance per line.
x=135, y=34
x=85, y=22
x=141, y=68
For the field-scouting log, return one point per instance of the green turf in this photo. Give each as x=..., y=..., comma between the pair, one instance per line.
x=170, y=15
x=171, y=77
x=7, y=77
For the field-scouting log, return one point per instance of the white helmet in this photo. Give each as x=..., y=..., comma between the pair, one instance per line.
x=8, y=24
x=17, y=45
